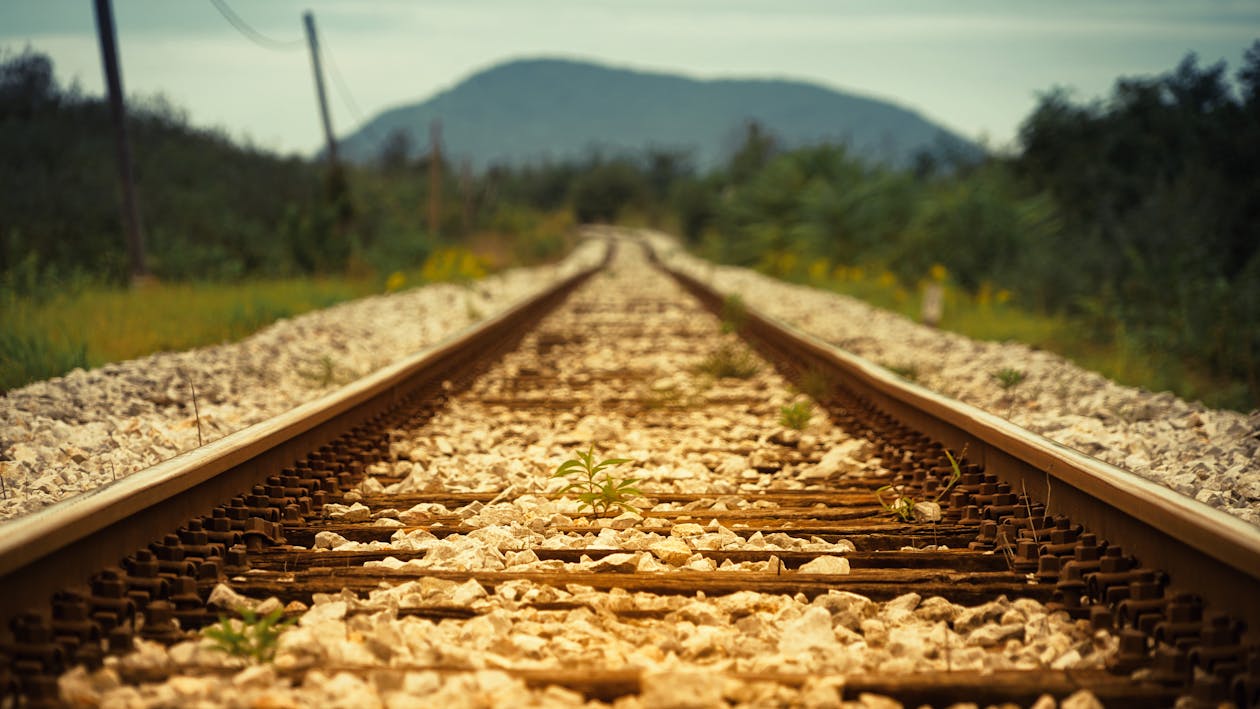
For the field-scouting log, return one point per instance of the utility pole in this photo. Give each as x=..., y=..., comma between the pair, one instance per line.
x=313, y=40
x=435, y=176
x=118, y=114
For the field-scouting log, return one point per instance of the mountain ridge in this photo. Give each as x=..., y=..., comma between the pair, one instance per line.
x=555, y=109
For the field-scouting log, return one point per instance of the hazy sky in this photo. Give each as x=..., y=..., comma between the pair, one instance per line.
x=975, y=66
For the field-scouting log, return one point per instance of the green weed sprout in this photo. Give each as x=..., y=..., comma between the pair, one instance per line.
x=1008, y=377
x=252, y=637
x=324, y=373
x=599, y=492
x=796, y=416
x=903, y=506
x=728, y=362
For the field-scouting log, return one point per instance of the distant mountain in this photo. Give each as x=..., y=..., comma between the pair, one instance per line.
x=534, y=110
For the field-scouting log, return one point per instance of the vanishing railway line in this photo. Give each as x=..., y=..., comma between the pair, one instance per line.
x=414, y=526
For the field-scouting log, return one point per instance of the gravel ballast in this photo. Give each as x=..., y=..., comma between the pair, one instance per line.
x=75, y=433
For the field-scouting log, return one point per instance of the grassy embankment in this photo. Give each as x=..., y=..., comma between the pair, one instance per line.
x=993, y=315
x=87, y=325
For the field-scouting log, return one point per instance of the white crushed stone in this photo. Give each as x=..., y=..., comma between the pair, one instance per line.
x=1210, y=455
x=75, y=433
x=834, y=634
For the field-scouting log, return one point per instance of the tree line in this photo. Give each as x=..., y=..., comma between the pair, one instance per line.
x=213, y=208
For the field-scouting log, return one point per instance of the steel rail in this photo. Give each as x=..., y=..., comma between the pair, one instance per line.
x=65, y=544
x=1205, y=552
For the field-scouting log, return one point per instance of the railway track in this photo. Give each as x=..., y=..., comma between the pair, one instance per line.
x=423, y=546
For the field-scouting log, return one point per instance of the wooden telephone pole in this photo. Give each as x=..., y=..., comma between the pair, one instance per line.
x=313, y=39
x=118, y=114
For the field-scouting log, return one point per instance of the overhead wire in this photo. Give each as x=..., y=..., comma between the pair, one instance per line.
x=252, y=34
x=339, y=82
x=343, y=92
x=342, y=89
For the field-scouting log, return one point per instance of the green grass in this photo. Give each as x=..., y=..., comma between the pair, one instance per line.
x=76, y=323
x=32, y=355
x=93, y=325
x=986, y=318
x=63, y=324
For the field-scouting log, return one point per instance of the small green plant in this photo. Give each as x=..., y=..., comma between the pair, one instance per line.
x=728, y=361
x=251, y=637
x=904, y=506
x=796, y=416
x=734, y=313
x=1008, y=377
x=599, y=492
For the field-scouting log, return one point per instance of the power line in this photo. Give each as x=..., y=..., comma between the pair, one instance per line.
x=252, y=34
x=343, y=92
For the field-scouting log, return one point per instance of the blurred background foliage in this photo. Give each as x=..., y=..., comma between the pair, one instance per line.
x=1123, y=232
